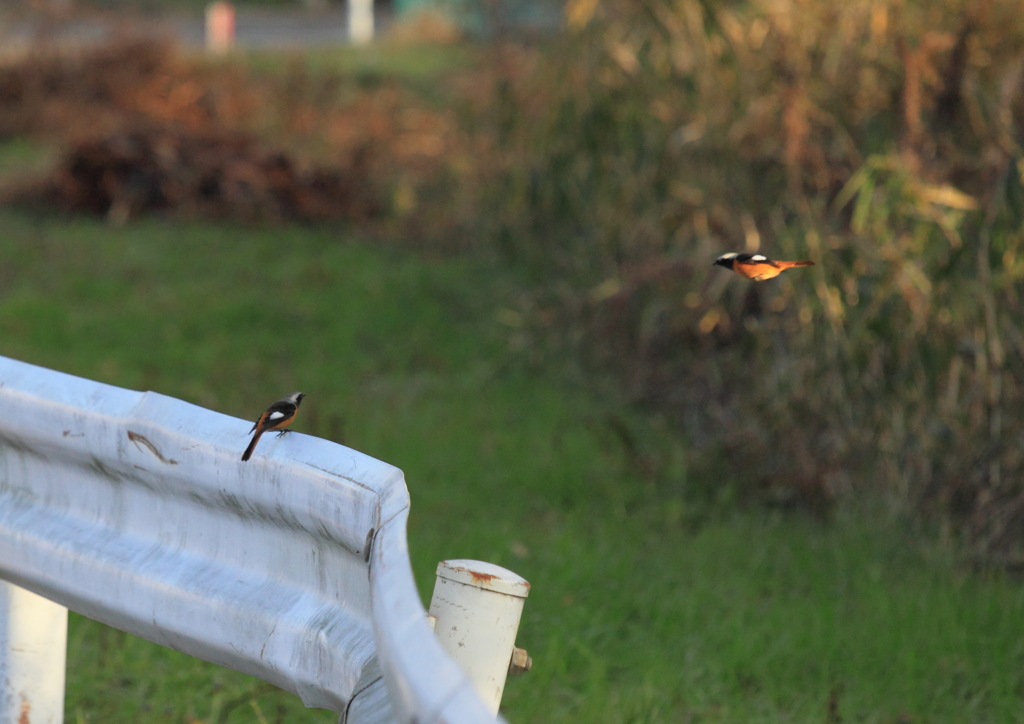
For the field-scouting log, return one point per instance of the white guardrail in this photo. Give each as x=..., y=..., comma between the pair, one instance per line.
x=134, y=509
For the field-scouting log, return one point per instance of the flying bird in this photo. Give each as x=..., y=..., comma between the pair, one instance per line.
x=277, y=417
x=756, y=266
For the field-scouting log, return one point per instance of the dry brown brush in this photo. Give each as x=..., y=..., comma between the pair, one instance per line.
x=881, y=139
x=142, y=127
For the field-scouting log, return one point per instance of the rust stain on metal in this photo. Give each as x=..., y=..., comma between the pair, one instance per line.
x=482, y=576
x=141, y=439
x=25, y=709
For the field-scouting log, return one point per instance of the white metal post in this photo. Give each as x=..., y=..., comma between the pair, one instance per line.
x=360, y=21
x=33, y=655
x=477, y=607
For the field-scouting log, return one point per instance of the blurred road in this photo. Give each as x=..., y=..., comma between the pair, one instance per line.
x=255, y=28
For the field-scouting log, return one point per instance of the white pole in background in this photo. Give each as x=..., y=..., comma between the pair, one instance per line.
x=220, y=26
x=33, y=657
x=477, y=607
x=360, y=21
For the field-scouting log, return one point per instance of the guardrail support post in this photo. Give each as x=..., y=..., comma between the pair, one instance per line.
x=33, y=657
x=477, y=607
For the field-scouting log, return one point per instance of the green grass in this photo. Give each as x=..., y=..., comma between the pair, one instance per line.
x=753, y=620
x=412, y=64
x=20, y=157
x=643, y=609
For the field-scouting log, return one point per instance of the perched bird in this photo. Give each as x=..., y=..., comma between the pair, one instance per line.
x=278, y=416
x=756, y=266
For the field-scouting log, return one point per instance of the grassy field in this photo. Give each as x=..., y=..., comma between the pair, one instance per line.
x=643, y=608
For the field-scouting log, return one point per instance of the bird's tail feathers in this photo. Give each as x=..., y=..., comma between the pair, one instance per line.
x=252, y=446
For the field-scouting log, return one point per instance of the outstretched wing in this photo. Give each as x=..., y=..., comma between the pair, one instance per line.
x=754, y=259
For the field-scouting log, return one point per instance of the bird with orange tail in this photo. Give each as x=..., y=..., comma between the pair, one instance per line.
x=756, y=266
x=276, y=417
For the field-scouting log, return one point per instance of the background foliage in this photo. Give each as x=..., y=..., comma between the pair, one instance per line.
x=610, y=165
x=881, y=140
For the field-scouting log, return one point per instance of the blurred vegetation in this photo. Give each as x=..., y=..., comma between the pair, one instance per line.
x=880, y=139
x=142, y=127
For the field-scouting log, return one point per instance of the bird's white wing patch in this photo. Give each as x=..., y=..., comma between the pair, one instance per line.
x=276, y=415
x=758, y=257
